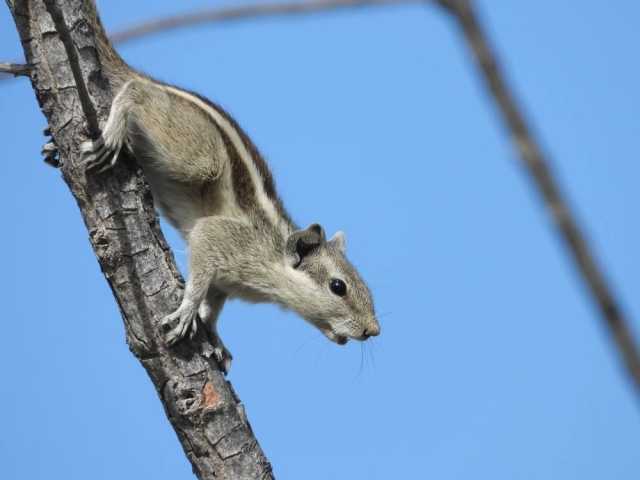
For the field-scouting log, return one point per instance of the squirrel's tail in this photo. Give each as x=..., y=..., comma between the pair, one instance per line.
x=114, y=67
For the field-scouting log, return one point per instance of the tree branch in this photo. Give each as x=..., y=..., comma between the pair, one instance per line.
x=543, y=179
x=74, y=95
x=145, y=293
x=227, y=14
x=244, y=12
x=15, y=69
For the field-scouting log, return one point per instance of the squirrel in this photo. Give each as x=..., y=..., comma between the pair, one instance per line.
x=211, y=183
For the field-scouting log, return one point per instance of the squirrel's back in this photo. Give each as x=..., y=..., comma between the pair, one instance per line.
x=197, y=159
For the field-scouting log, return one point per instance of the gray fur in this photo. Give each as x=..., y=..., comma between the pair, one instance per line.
x=213, y=186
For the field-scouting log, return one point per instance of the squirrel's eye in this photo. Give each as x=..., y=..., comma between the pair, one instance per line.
x=338, y=287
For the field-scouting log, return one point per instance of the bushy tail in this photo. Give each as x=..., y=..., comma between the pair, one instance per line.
x=114, y=67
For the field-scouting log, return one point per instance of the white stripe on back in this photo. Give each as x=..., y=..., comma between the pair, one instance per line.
x=256, y=179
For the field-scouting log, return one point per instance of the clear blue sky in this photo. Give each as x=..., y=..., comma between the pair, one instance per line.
x=492, y=363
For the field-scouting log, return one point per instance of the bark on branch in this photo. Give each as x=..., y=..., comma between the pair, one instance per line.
x=123, y=229
x=538, y=167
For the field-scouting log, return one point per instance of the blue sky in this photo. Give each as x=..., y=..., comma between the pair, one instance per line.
x=492, y=362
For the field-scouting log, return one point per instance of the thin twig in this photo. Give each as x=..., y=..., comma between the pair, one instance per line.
x=225, y=14
x=538, y=167
x=15, y=69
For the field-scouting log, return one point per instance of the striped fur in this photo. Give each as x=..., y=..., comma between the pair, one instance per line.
x=213, y=185
x=259, y=185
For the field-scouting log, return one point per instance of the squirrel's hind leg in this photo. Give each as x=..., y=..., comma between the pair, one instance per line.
x=209, y=313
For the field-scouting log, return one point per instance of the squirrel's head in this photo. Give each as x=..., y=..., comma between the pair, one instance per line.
x=330, y=294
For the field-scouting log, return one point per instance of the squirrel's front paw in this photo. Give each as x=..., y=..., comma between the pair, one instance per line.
x=100, y=153
x=176, y=326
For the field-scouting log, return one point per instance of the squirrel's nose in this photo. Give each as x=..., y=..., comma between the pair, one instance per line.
x=371, y=332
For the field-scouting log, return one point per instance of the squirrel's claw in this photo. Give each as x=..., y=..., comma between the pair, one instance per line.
x=100, y=155
x=50, y=150
x=223, y=356
x=176, y=326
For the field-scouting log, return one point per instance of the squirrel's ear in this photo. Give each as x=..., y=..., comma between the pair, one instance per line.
x=340, y=241
x=302, y=242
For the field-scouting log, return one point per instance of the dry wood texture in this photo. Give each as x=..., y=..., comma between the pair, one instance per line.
x=74, y=94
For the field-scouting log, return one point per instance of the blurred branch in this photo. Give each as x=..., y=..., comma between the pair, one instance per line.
x=542, y=176
x=226, y=14
x=15, y=69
